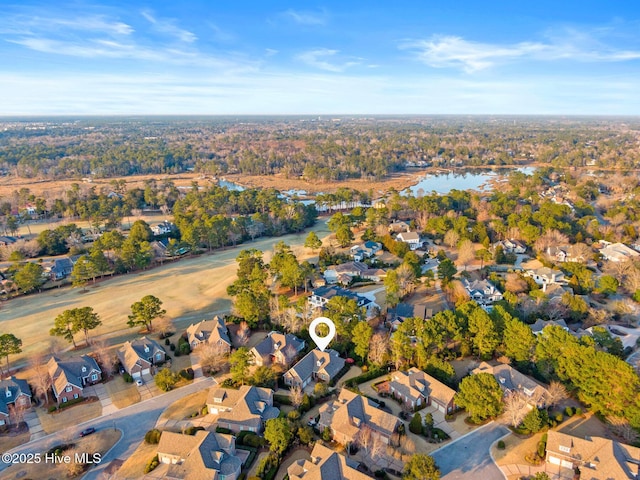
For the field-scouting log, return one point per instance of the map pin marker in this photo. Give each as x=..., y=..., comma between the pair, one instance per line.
x=322, y=342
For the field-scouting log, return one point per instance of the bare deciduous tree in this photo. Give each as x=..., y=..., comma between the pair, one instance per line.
x=556, y=393
x=296, y=394
x=378, y=348
x=451, y=238
x=243, y=333
x=549, y=239
x=164, y=325
x=212, y=357
x=466, y=253
x=515, y=408
x=105, y=356
x=620, y=426
x=41, y=380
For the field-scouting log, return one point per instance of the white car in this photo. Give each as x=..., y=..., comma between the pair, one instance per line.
x=139, y=382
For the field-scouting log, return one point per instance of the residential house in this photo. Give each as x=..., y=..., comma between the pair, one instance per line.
x=159, y=248
x=546, y=276
x=511, y=380
x=277, y=348
x=325, y=464
x=14, y=393
x=246, y=409
x=483, y=292
x=618, y=252
x=203, y=455
x=511, y=246
x=365, y=250
x=597, y=458
x=164, y=228
x=211, y=332
x=398, y=227
x=398, y=314
x=6, y=241
x=555, y=291
x=410, y=238
x=140, y=355
x=321, y=296
x=315, y=365
x=417, y=389
x=540, y=325
x=70, y=376
x=565, y=253
x=60, y=268
x=350, y=413
x=346, y=272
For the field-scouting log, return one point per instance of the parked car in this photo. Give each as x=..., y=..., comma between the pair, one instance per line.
x=87, y=431
x=139, y=382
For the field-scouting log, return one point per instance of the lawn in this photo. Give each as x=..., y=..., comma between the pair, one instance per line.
x=7, y=442
x=199, y=294
x=183, y=408
x=133, y=467
x=100, y=442
x=122, y=393
x=79, y=413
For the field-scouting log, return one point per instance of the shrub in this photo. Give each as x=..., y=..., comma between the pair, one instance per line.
x=153, y=463
x=578, y=411
x=223, y=430
x=568, y=412
x=167, y=341
x=192, y=430
x=186, y=373
x=127, y=378
x=205, y=410
x=559, y=417
x=153, y=436
x=172, y=346
x=415, y=426
x=177, y=353
x=501, y=445
x=326, y=434
x=293, y=415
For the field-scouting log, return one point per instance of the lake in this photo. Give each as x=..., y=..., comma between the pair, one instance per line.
x=463, y=180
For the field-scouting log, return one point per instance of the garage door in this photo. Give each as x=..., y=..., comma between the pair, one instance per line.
x=136, y=375
x=146, y=371
x=442, y=408
x=566, y=464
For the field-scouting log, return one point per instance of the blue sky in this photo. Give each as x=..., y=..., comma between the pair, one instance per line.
x=361, y=57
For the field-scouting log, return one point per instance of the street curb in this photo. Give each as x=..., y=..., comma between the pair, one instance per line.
x=493, y=459
x=107, y=452
x=463, y=436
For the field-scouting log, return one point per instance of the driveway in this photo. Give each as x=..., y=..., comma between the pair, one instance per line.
x=468, y=458
x=33, y=422
x=148, y=389
x=100, y=391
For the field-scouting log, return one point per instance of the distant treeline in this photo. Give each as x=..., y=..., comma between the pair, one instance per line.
x=327, y=150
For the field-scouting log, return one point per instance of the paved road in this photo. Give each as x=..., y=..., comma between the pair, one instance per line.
x=468, y=458
x=133, y=421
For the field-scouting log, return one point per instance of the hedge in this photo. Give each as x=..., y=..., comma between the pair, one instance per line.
x=365, y=377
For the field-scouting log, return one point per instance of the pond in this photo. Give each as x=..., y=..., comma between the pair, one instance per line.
x=461, y=180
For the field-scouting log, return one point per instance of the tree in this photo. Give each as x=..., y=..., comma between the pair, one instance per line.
x=165, y=379
x=466, y=253
x=451, y=238
x=518, y=340
x=555, y=394
x=421, y=467
x=345, y=313
x=105, y=357
x=378, y=348
x=279, y=435
x=82, y=271
x=608, y=285
x=65, y=326
x=240, y=361
x=41, y=380
x=295, y=394
x=28, y=277
x=533, y=421
x=446, y=270
x=344, y=235
x=415, y=425
x=481, y=396
x=361, y=336
x=243, y=333
x=9, y=345
x=145, y=311
x=264, y=376
x=312, y=241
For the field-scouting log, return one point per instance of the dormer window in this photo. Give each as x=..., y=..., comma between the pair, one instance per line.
x=502, y=380
x=564, y=449
x=84, y=369
x=356, y=421
x=146, y=349
x=8, y=393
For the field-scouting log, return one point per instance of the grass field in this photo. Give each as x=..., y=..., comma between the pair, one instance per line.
x=184, y=407
x=191, y=289
x=122, y=393
x=99, y=442
x=76, y=414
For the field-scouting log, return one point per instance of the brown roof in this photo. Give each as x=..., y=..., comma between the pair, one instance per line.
x=598, y=458
x=350, y=411
x=417, y=383
x=324, y=464
x=249, y=405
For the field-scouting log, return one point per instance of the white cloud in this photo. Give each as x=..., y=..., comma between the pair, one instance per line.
x=169, y=27
x=306, y=17
x=320, y=58
x=452, y=51
x=97, y=24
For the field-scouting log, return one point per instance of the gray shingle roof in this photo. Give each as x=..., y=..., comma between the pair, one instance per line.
x=10, y=390
x=69, y=371
x=316, y=361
